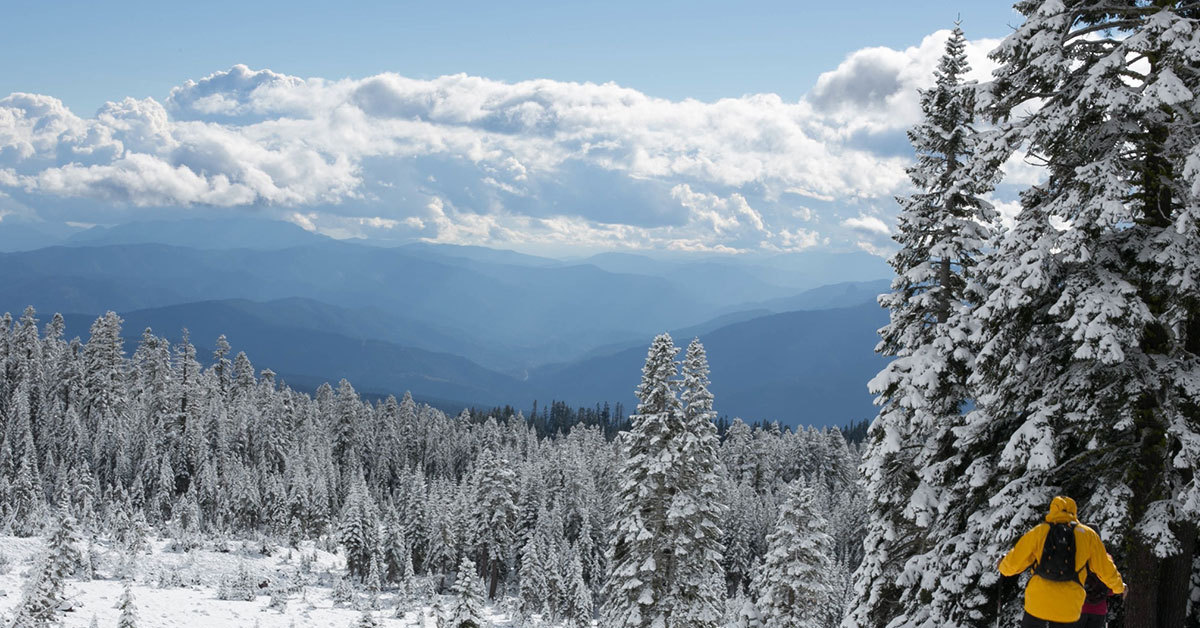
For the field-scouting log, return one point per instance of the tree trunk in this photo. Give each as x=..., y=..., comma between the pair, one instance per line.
x=495, y=579
x=943, y=313
x=1141, y=602
x=1176, y=580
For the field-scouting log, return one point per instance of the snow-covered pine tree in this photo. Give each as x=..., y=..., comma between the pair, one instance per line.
x=494, y=513
x=28, y=501
x=392, y=545
x=534, y=585
x=466, y=607
x=741, y=612
x=697, y=506
x=407, y=587
x=739, y=528
x=644, y=569
x=128, y=618
x=577, y=599
x=358, y=531
x=105, y=398
x=366, y=620
x=241, y=587
x=342, y=593
x=1089, y=325
x=42, y=597
x=62, y=546
x=374, y=584
x=793, y=587
x=941, y=231
x=344, y=427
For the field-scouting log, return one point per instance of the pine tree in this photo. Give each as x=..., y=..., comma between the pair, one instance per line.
x=1088, y=324
x=394, y=547
x=697, y=508
x=743, y=613
x=406, y=593
x=495, y=513
x=28, y=504
x=358, y=532
x=344, y=424
x=738, y=530
x=45, y=590
x=534, y=585
x=43, y=596
x=644, y=567
x=62, y=546
x=466, y=608
x=793, y=586
x=343, y=593
x=374, y=585
x=577, y=599
x=941, y=232
x=366, y=620
x=222, y=366
x=128, y=618
x=104, y=396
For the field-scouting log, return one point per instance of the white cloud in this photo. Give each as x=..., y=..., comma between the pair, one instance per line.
x=304, y=221
x=468, y=159
x=875, y=89
x=875, y=249
x=1021, y=169
x=869, y=224
x=1007, y=211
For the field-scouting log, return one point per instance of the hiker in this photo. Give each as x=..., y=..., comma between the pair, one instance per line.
x=1061, y=550
x=1095, y=606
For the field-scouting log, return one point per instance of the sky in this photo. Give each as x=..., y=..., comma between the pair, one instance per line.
x=545, y=127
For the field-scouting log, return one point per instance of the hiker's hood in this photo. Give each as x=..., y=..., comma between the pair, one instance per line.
x=1062, y=510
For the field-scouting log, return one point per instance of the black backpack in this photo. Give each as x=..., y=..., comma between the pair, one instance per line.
x=1058, y=554
x=1096, y=590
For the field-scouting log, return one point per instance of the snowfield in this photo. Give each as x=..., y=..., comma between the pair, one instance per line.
x=180, y=589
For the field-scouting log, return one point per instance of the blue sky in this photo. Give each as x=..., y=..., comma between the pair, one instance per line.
x=345, y=120
x=87, y=52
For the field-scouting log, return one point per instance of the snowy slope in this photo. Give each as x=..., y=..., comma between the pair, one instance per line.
x=179, y=590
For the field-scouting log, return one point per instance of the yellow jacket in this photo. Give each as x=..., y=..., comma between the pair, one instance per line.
x=1061, y=601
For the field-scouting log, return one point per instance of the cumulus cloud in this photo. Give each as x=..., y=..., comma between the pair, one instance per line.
x=472, y=160
x=874, y=91
x=238, y=94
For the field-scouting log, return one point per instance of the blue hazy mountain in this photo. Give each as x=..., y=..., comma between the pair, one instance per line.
x=805, y=367
x=240, y=318
x=844, y=294
x=26, y=236
x=472, y=325
x=535, y=313
x=752, y=278
x=307, y=357
x=479, y=254
x=227, y=232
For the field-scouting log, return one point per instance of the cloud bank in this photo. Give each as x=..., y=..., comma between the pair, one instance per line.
x=466, y=159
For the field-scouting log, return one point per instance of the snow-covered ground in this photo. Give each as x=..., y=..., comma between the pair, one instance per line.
x=174, y=589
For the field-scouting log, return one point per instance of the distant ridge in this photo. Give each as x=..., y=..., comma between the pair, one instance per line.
x=804, y=367
x=472, y=325
x=201, y=233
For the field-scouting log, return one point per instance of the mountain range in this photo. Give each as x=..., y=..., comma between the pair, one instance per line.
x=790, y=338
